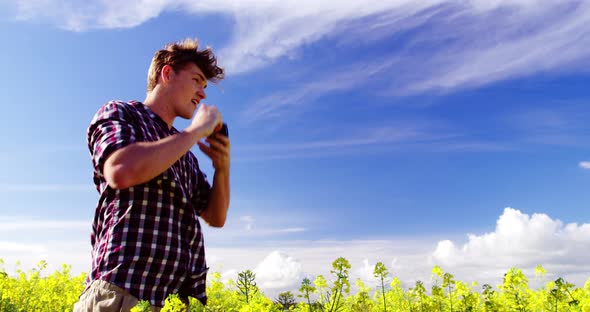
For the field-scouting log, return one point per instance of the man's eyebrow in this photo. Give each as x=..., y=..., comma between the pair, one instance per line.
x=202, y=78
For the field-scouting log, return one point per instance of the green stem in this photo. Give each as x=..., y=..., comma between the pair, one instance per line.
x=383, y=291
x=308, y=301
x=450, y=298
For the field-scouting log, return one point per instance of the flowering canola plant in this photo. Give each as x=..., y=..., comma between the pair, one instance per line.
x=34, y=291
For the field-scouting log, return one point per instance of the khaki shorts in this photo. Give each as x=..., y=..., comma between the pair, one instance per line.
x=106, y=297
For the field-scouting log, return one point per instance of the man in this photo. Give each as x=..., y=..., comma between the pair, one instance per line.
x=146, y=236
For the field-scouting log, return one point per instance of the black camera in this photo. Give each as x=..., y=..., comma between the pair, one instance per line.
x=223, y=131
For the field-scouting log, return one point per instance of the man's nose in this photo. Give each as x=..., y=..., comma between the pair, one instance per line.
x=201, y=93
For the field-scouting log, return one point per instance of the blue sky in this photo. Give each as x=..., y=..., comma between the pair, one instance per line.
x=413, y=134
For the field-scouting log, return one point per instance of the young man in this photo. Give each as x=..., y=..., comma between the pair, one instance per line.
x=146, y=236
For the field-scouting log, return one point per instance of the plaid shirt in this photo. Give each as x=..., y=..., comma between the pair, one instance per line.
x=147, y=239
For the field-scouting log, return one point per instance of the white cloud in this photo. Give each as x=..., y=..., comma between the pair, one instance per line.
x=248, y=220
x=229, y=275
x=28, y=224
x=278, y=270
x=519, y=240
x=558, y=123
x=72, y=252
x=516, y=48
x=229, y=234
x=291, y=230
x=365, y=272
x=299, y=259
x=368, y=136
x=585, y=164
x=523, y=37
x=76, y=16
x=421, y=135
x=523, y=241
x=255, y=226
x=6, y=247
x=443, y=55
x=29, y=240
x=299, y=99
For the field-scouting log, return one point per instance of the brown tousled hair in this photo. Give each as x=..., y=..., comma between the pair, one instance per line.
x=178, y=55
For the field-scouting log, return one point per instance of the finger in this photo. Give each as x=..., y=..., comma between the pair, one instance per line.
x=215, y=144
x=219, y=138
x=222, y=138
x=205, y=149
x=218, y=145
x=212, y=153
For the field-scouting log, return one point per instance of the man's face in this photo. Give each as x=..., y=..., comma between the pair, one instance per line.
x=187, y=87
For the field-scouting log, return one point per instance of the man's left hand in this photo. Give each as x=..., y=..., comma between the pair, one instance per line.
x=218, y=151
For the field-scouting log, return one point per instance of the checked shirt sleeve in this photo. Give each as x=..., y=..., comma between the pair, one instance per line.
x=110, y=129
x=200, y=198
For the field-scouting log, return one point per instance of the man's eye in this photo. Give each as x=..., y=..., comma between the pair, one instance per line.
x=200, y=83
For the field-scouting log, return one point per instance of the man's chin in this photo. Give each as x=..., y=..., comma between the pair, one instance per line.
x=188, y=115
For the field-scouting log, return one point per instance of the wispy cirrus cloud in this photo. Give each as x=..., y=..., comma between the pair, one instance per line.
x=350, y=143
x=409, y=135
x=442, y=45
x=515, y=48
x=256, y=226
x=560, y=123
x=445, y=52
x=300, y=99
x=249, y=225
x=584, y=164
x=368, y=136
x=522, y=37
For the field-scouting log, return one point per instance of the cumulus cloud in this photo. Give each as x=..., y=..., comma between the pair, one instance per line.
x=365, y=272
x=523, y=241
x=283, y=270
x=229, y=275
x=518, y=240
x=367, y=269
x=585, y=164
x=278, y=270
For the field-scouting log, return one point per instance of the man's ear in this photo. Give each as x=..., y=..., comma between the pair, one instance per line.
x=165, y=74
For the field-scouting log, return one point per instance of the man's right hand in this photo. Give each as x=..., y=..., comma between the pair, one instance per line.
x=206, y=121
